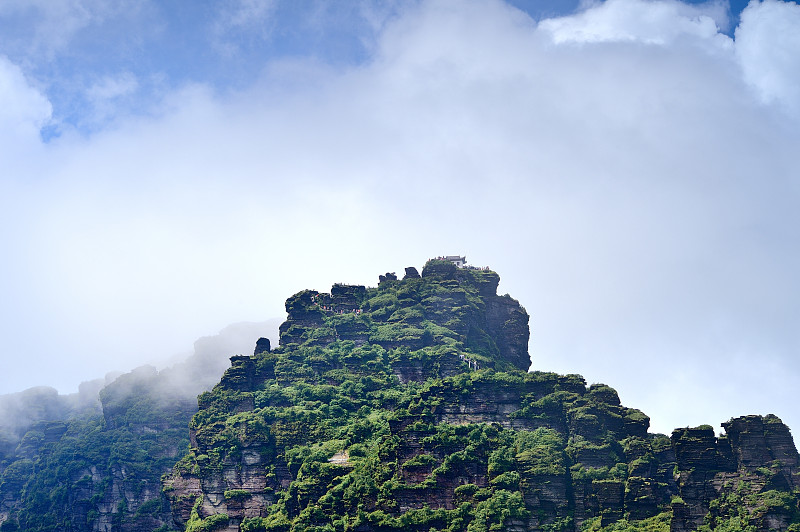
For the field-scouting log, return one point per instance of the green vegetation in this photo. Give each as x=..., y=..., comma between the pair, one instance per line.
x=657, y=523
x=744, y=509
x=389, y=376
x=73, y=471
x=404, y=407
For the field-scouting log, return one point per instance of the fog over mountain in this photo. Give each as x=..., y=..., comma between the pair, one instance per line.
x=185, y=378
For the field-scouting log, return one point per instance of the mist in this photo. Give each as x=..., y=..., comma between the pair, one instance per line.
x=177, y=383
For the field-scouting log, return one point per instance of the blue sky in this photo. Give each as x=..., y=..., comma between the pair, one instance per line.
x=131, y=53
x=628, y=167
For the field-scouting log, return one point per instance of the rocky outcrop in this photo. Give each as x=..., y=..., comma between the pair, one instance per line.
x=305, y=311
x=346, y=297
x=441, y=269
x=389, y=276
x=262, y=346
x=464, y=301
x=408, y=407
x=753, y=460
x=411, y=273
x=507, y=322
x=756, y=441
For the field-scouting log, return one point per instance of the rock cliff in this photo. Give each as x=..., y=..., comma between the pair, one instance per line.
x=405, y=406
x=93, y=461
x=99, y=472
x=408, y=407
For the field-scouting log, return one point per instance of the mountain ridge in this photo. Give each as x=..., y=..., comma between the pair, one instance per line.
x=405, y=406
x=421, y=384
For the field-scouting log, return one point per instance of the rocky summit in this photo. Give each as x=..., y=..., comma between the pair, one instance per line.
x=409, y=406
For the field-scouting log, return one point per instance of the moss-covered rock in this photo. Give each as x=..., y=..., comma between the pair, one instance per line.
x=420, y=384
x=405, y=406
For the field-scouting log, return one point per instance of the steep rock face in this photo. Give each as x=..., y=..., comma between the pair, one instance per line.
x=262, y=346
x=757, y=440
x=411, y=273
x=404, y=407
x=449, y=446
x=99, y=472
x=446, y=306
x=753, y=466
x=507, y=323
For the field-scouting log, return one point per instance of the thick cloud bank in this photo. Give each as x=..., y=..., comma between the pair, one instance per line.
x=767, y=45
x=629, y=170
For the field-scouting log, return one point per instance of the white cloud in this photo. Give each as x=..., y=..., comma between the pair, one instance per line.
x=111, y=87
x=57, y=21
x=240, y=14
x=237, y=19
x=768, y=46
x=108, y=98
x=648, y=21
x=24, y=110
x=639, y=200
x=51, y=25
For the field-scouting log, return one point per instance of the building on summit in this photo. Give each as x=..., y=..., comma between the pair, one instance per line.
x=455, y=259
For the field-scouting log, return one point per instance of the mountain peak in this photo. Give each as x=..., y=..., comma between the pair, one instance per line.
x=449, y=314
